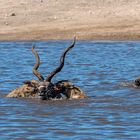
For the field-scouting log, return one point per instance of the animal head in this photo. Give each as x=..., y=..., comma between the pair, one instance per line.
x=137, y=82
x=45, y=86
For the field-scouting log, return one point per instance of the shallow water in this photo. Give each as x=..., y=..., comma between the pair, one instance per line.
x=111, y=112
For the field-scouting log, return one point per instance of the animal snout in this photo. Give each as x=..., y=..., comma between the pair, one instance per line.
x=42, y=88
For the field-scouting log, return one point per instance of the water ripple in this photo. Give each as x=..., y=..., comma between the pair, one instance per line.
x=110, y=112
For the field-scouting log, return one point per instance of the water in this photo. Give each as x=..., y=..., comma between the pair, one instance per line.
x=111, y=112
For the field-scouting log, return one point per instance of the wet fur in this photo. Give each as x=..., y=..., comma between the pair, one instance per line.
x=71, y=91
x=133, y=84
x=27, y=90
x=30, y=89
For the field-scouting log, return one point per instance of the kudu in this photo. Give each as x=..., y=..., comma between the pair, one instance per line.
x=134, y=84
x=44, y=88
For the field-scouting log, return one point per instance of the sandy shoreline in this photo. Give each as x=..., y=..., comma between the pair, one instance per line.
x=60, y=19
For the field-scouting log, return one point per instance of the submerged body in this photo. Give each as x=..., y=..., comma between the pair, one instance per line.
x=35, y=89
x=26, y=90
x=133, y=84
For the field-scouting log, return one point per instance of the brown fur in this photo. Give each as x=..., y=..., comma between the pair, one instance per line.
x=27, y=90
x=134, y=84
x=70, y=91
x=75, y=93
x=30, y=90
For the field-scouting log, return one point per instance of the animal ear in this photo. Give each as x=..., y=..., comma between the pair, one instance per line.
x=77, y=88
x=34, y=82
x=27, y=82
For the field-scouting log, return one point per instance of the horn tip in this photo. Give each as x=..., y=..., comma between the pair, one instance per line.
x=74, y=38
x=33, y=46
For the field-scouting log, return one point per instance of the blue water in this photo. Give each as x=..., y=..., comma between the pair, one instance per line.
x=111, y=112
